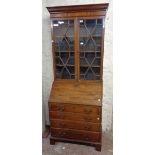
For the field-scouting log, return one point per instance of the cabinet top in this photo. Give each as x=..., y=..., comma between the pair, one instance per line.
x=78, y=8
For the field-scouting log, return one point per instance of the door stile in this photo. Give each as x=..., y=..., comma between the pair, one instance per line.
x=102, y=50
x=76, y=35
x=53, y=51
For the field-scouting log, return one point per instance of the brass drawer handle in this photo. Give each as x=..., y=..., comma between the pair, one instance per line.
x=87, y=111
x=61, y=116
x=88, y=119
x=63, y=133
x=61, y=125
x=60, y=108
x=87, y=127
x=99, y=111
x=87, y=138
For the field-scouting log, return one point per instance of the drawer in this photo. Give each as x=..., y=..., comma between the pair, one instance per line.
x=56, y=123
x=76, y=134
x=76, y=108
x=75, y=117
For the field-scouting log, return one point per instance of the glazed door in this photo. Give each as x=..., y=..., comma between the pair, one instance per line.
x=90, y=49
x=63, y=49
x=78, y=48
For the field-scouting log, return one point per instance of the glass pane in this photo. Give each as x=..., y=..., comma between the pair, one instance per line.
x=64, y=48
x=90, y=48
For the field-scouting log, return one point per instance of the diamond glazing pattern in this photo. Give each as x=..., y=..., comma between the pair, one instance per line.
x=90, y=48
x=64, y=48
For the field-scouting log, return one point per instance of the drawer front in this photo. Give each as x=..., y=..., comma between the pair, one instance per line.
x=75, y=117
x=76, y=125
x=76, y=108
x=76, y=135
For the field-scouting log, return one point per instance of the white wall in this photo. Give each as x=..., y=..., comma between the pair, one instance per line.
x=107, y=66
x=47, y=64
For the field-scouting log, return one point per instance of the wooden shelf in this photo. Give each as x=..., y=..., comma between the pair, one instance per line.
x=95, y=74
x=71, y=45
x=98, y=45
x=80, y=36
x=90, y=66
x=91, y=26
x=68, y=65
x=64, y=51
x=65, y=24
x=90, y=51
x=64, y=36
x=91, y=35
x=80, y=51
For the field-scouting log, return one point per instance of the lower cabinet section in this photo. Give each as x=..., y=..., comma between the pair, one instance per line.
x=76, y=123
x=76, y=135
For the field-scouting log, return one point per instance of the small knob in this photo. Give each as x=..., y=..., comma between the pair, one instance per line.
x=87, y=127
x=87, y=138
x=61, y=125
x=62, y=108
x=58, y=108
x=64, y=133
x=87, y=111
x=61, y=116
x=88, y=119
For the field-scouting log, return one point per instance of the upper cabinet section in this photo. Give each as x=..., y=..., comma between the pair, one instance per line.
x=78, y=41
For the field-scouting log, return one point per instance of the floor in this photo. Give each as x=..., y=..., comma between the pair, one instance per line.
x=75, y=149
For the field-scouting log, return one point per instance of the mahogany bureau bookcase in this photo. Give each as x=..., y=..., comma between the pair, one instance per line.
x=75, y=102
